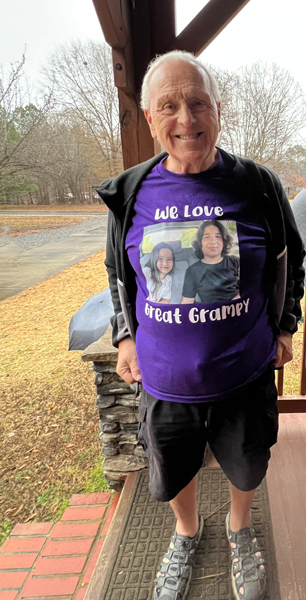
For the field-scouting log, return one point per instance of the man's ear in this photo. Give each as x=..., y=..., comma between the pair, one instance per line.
x=149, y=119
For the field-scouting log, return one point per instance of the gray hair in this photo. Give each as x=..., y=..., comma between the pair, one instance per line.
x=208, y=78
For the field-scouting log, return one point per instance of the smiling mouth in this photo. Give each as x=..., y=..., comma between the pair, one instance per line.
x=189, y=137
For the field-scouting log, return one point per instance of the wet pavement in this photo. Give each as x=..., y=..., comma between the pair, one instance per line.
x=20, y=270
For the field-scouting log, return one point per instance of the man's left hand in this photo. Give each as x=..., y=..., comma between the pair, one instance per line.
x=283, y=349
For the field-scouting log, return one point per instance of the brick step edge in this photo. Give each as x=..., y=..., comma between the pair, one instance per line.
x=56, y=560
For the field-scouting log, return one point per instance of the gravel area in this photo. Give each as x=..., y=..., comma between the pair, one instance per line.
x=25, y=242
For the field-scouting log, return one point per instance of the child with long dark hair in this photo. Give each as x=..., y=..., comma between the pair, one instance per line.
x=158, y=273
x=215, y=277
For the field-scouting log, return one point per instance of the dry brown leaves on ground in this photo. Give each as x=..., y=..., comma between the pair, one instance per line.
x=97, y=207
x=49, y=426
x=13, y=226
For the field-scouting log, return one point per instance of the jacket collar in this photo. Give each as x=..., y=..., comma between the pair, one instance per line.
x=116, y=192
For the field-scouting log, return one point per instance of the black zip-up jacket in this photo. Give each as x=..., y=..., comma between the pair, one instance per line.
x=285, y=248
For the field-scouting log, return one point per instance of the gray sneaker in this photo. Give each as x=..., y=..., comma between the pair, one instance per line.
x=248, y=565
x=174, y=575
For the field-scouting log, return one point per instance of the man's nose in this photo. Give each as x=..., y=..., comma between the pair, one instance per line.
x=185, y=116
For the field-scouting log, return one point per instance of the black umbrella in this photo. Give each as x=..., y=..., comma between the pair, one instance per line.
x=91, y=321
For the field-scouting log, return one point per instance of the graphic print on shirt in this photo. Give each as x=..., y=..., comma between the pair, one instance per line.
x=191, y=262
x=206, y=349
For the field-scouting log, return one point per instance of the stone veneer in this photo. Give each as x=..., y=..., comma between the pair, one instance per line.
x=118, y=414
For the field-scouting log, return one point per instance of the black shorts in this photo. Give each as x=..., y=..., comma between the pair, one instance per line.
x=240, y=432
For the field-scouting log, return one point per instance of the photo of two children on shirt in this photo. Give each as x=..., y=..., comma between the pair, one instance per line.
x=194, y=262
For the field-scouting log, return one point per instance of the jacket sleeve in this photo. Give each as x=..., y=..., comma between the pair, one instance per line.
x=295, y=272
x=118, y=321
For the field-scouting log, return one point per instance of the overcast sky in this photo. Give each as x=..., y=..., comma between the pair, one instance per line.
x=269, y=30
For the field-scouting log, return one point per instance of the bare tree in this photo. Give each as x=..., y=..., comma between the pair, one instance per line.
x=52, y=152
x=81, y=76
x=263, y=109
x=20, y=124
x=72, y=171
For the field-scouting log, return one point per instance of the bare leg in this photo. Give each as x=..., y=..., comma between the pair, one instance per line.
x=241, y=503
x=173, y=578
x=185, y=510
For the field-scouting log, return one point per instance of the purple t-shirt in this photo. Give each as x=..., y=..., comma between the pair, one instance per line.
x=196, y=239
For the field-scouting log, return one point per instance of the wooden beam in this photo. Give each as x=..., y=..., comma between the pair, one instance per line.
x=115, y=21
x=137, y=143
x=136, y=31
x=140, y=36
x=127, y=29
x=208, y=23
x=111, y=19
x=292, y=404
x=162, y=22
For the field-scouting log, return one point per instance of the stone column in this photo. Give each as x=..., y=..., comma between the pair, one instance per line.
x=118, y=414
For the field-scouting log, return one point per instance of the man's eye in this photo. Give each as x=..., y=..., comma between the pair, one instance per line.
x=198, y=104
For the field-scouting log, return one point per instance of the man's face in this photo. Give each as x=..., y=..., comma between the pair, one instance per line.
x=212, y=243
x=183, y=117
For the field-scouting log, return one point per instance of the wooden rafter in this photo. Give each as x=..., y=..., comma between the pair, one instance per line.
x=162, y=18
x=137, y=30
x=208, y=23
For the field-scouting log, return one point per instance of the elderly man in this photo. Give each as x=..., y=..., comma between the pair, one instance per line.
x=206, y=363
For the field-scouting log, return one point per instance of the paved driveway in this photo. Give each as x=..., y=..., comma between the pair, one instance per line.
x=22, y=269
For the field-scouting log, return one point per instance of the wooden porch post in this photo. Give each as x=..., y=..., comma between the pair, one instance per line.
x=136, y=31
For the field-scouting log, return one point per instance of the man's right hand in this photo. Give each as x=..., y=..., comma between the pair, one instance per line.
x=127, y=365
